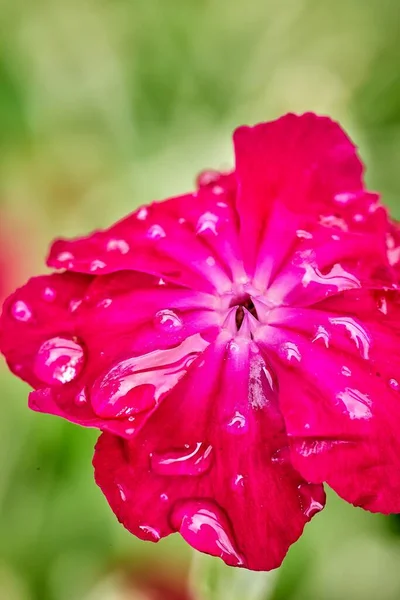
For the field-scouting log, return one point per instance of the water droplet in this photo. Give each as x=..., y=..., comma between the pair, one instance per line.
x=121, y=492
x=358, y=218
x=358, y=334
x=238, y=482
x=21, y=311
x=210, y=260
x=312, y=498
x=194, y=460
x=74, y=305
x=164, y=497
x=161, y=282
x=303, y=234
x=105, y=303
x=97, y=265
x=65, y=257
x=59, y=361
x=238, y=423
x=218, y=190
x=137, y=384
x=290, y=352
x=346, y=371
x=394, y=384
x=345, y=197
x=281, y=456
x=181, y=220
x=81, y=398
x=207, y=223
x=208, y=177
x=356, y=403
x=49, y=294
x=167, y=320
x=323, y=335
x=150, y=534
x=205, y=526
x=382, y=305
x=142, y=213
x=222, y=204
x=156, y=232
x=121, y=246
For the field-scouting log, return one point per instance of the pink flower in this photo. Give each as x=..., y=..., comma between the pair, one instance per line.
x=238, y=346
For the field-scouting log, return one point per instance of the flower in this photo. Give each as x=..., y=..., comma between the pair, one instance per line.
x=237, y=346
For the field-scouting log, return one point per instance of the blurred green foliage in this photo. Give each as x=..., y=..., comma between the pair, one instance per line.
x=107, y=104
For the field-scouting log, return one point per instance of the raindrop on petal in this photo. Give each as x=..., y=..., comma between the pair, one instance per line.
x=149, y=534
x=312, y=498
x=204, y=525
x=142, y=213
x=58, y=361
x=195, y=460
x=49, y=294
x=394, y=384
x=167, y=320
x=156, y=232
x=21, y=311
x=121, y=246
x=238, y=423
x=207, y=222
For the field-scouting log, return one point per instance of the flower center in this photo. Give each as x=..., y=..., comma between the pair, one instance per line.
x=243, y=302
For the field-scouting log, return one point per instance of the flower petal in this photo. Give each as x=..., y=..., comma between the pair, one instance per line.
x=223, y=477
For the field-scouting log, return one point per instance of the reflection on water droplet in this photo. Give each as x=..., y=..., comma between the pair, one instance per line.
x=218, y=190
x=302, y=234
x=104, y=303
x=207, y=222
x=238, y=482
x=312, y=499
x=164, y=497
x=149, y=533
x=65, y=257
x=142, y=213
x=59, y=361
x=195, y=460
x=206, y=178
x=210, y=260
x=137, y=384
x=49, y=294
x=74, y=304
x=346, y=371
x=290, y=351
x=345, y=197
x=222, y=204
x=167, y=320
x=205, y=526
x=323, y=335
x=121, y=246
x=81, y=398
x=21, y=311
x=96, y=265
x=357, y=332
x=238, y=423
x=337, y=276
x=358, y=218
x=161, y=282
x=121, y=492
x=356, y=403
x=382, y=305
x=156, y=232
x=394, y=384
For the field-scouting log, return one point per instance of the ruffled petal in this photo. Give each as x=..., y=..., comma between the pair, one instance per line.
x=190, y=240
x=306, y=162
x=77, y=334
x=339, y=377
x=212, y=462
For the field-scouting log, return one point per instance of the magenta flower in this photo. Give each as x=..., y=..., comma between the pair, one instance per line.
x=238, y=347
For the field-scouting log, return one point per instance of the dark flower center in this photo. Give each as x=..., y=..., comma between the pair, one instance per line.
x=243, y=302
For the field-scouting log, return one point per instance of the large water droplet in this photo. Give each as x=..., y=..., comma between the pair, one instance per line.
x=322, y=335
x=118, y=245
x=204, y=525
x=137, y=384
x=81, y=398
x=59, y=361
x=238, y=423
x=358, y=334
x=150, y=534
x=207, y=222
x=290, y=351
x=312, y=498
x=194, y=460
x=168, y=321
x=21, y=311
x=356, y=403
x=97, y=265
x=156, y=232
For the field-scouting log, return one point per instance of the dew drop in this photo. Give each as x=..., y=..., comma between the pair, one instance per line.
x=121, y=492
x=96, y=265
x=105, y=303
x=346, y=371
x=210, y=260
x=281, y=456
x=21, y=311
x=156, y=232
x=121, y=246
x=65, y=257
x=218, y=190
x=137, y=384
x=161, y=282
x=238, y=482
x=181, y=220
x=344, y=197
x=142, y=213
x=237, y=424
x=58, y=361
x=358, y=334
x=394, y=384
x=290, y=352
x=207, y=223
x=164, y=497
x=312, y=499
x=149, y=534
x=322, y=335
x=81, y=398
x=205, y=526
x=167, y=320
x=303, y=234
x=208, y=177
x=356, y=404
x=194, y=460
x=49, y=294
x=74, y=305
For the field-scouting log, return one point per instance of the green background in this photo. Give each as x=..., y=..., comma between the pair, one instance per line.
x=108, y=104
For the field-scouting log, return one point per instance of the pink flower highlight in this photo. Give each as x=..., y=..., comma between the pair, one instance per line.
x=237, y=346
